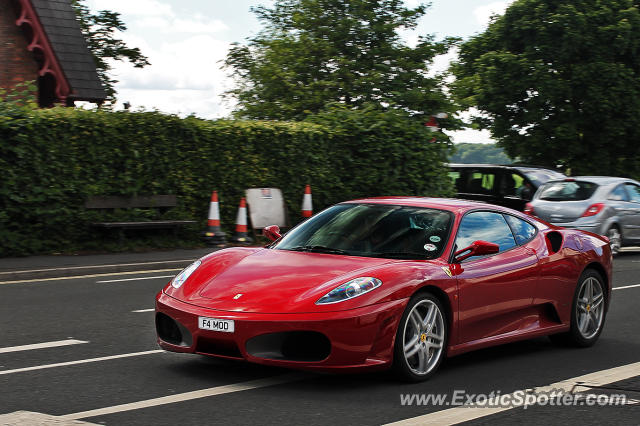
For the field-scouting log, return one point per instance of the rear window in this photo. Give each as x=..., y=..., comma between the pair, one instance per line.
x=540, y=176
x=567, y=191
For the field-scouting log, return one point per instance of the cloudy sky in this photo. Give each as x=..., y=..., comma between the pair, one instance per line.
x=186, y=40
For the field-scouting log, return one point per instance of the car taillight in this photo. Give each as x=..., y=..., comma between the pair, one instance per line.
x=528, y=209
x=593, y=210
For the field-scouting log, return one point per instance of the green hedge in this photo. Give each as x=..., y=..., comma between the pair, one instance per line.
x=52, y=160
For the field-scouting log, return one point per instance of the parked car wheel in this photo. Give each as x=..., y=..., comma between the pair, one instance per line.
x=421, y=339
x=615, y=239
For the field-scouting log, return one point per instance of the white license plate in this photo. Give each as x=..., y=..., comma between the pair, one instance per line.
x=216, y=324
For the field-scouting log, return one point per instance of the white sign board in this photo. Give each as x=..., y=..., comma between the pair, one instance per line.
x=266, y=207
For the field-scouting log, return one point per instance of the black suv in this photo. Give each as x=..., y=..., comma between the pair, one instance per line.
x=509, y=186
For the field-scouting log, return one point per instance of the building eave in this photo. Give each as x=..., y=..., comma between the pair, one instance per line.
x=40, y=41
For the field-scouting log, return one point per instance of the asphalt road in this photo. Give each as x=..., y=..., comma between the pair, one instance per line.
x=113, y=373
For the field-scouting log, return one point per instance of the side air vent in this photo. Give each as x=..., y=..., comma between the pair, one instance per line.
x=554, y=241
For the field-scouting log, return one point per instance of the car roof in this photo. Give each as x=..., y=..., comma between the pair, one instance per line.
x=533, y=168
x=451, y=204
x=479, y=165
x=600, y=180
x=603, y=180
x=521, y=167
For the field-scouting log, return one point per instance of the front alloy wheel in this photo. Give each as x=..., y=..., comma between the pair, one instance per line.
x=421, y=338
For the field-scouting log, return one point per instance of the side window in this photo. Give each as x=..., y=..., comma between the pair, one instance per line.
x=619, y=194
x=523, y=230
x=486, y=226
x=511, y=184
x=480, y=183
x=634, y=192
x=457, y=180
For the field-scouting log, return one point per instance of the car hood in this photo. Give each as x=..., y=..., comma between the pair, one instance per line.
x=271, y=281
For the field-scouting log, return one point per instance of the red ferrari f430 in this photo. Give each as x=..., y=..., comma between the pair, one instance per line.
x=390, y=283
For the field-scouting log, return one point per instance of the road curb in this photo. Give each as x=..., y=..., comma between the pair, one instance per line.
x=92, y=269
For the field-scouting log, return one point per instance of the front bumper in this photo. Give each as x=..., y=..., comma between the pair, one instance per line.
x=360, y=339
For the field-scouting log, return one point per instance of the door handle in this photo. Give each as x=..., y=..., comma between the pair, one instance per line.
x=529, y=250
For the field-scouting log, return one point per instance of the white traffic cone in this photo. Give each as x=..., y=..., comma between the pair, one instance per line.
x=214, y=235
x=241, y=235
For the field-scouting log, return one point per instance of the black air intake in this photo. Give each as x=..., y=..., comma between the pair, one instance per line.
x=305, y=346
x=171, y=331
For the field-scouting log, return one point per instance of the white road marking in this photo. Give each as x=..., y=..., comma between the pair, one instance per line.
x=467, y=413
x=626, y=286
x=76, y=277
x=80, y=361
x=203, y=393
x=145, y=310
x=55, y=344
x=29, y=418
x=135, y=279
x=96, y=266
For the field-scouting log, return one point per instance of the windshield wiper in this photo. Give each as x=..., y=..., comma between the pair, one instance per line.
x=318, y=249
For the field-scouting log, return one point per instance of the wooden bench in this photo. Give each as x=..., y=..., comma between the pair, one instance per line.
x=163, y=202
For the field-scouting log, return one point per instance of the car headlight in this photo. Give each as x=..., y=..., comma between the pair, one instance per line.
x=186, y=272
x=349, y=290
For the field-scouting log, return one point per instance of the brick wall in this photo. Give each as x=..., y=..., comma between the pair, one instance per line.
x=17, y=64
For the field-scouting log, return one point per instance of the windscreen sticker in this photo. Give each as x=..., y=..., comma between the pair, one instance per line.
x=430, y=247
x=434, y=239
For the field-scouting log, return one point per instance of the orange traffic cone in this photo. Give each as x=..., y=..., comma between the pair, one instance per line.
x=241, y=235
x=214, y=235
x=307, y=204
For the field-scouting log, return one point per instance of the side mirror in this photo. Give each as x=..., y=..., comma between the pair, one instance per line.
x=272, y=232
x=477, y=248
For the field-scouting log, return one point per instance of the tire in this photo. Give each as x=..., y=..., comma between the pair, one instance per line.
x=615, y=239
x=588, y=313
x=430, y=338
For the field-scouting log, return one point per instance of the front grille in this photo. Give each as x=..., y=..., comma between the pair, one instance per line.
x=209, y=346
x=305, y=346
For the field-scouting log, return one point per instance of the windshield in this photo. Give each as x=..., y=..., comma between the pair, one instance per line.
x=372, y=230
x=540, y=176
x=567, y=191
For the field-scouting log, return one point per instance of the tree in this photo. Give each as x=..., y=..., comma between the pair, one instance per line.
x=558, y=82
x=100, y=32
x=312, y=53
x=479, y=153
x=378, y=152
x=22, y=95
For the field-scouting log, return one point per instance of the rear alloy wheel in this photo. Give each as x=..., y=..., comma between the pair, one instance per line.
x=615, y=240
x=421, y=339
x=588, y=311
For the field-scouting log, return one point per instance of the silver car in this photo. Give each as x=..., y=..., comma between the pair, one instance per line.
x=604, y=205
